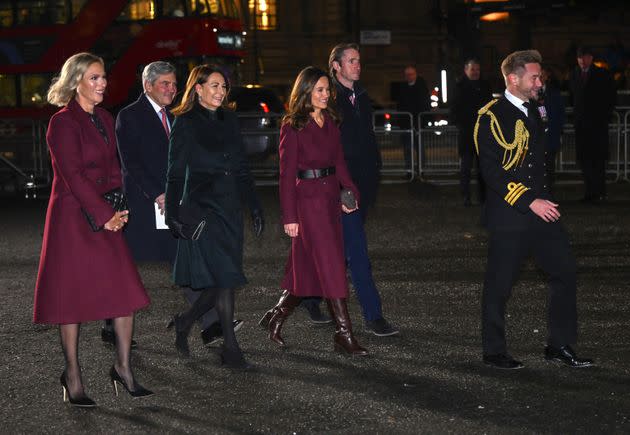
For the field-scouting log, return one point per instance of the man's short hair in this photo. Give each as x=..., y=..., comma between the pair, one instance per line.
x=471, y=61
x=515, y=62
x=337, y=53
x=584, y=50
x=153, y=70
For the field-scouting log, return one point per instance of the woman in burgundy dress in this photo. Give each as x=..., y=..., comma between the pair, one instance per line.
x=86, y=275
x=312, y=171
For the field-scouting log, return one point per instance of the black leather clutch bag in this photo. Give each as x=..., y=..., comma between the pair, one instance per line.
x=190, y=222
x=348, y=199
x=116, y=198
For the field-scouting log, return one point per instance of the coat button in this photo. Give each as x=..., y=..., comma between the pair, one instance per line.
x=227, y=172
x=100, y=180
x=545, y=186
x=529, y=177
x=226, y=155
x=530, y=165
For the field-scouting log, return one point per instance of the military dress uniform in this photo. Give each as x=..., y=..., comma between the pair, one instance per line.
x=511, y=152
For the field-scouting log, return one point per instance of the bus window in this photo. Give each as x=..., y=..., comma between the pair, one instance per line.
x=8, y=94
x=173, y=8
x=33, y=89
x=40, y=12
x=138, y=10
x=229, y=9
x=76, y=7
x=6, y=14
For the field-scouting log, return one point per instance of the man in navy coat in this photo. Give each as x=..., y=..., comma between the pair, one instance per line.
x=364, y=162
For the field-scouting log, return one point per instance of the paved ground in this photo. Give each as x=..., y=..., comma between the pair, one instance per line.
x=428, y=256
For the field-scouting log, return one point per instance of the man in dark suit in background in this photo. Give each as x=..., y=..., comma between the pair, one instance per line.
x=471, y=94
x=593, y=92
x=413, y=97
x=520, y=217
x=142, y=131
x=553, y=114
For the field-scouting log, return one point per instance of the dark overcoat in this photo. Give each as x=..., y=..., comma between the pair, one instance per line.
x=468, y=97
x=360, y=149
x=593, y=103
x=83, y=275
x=207, y=167
x=143, y=146
x=316, y=264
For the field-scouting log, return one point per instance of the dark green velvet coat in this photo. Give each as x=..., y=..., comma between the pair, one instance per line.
x=207, y=166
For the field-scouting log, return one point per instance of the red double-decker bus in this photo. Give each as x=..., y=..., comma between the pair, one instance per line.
x=37, y=36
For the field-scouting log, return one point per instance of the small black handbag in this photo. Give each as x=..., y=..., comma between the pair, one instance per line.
x=348, y=199
x=116, y=198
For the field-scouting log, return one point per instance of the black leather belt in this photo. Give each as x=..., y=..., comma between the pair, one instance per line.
x=309, y=174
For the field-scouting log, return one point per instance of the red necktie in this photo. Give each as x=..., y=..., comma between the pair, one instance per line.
x=165, y=122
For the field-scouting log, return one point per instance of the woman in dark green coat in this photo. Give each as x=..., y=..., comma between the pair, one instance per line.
x=208, y=178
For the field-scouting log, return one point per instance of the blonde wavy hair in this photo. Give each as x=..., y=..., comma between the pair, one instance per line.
x=64, y=87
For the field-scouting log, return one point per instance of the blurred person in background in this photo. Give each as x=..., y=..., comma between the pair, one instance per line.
x=471, y=94
x=553, y=115
x=593, y=93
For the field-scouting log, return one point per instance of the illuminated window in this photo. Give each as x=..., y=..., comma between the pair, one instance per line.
x=6, y=14
x=264, y=12
x=33, y=89
x=138, y=10
x=8, y=95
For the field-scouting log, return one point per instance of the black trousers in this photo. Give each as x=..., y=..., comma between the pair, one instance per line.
x=507, y=250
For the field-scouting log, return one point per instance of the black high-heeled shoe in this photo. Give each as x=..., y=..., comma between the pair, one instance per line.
x=181, y=336
x=138, y=390
x=80, y=402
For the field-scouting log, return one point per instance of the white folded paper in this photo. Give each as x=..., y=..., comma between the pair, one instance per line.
x=160, y=223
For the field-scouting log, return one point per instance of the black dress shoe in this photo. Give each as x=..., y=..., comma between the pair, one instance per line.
x=314, y=312
x=567, y=356
x=214, y=333
x=109, y=336
x=502, y=361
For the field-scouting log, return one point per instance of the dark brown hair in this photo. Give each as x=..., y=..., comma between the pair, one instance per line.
x=300, y=107
x=198, y=76
x=337, y=53
x=515, y=62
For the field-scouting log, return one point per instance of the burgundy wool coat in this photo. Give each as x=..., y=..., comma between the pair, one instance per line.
x=83, y=275
x=316, y=265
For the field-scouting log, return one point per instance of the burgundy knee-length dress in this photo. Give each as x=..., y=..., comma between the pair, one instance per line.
x=83, y=275
x=316, y=264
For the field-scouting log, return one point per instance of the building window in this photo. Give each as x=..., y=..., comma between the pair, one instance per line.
x=138, y=10
x=265, y=14
x=33, y=88
x=8, y=94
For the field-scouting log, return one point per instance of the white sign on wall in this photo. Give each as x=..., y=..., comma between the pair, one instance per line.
x=376, y=37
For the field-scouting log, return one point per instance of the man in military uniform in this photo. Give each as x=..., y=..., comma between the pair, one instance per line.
x=520, y=216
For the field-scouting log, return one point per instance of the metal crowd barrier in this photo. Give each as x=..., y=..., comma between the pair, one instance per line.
x=438, y=154
x=396, y=138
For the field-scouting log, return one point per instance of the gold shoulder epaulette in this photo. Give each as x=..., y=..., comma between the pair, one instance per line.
x=515, y=151
x=485, y=108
